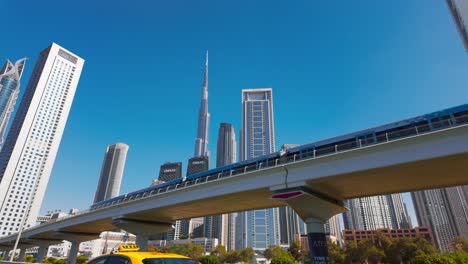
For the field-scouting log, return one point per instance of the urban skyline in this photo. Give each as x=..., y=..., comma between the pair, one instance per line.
x=140, y=180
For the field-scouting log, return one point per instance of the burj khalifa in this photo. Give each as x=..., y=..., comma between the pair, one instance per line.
x=201, y=142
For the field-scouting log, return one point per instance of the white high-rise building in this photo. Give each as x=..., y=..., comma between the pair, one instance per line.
x=28, y=155
x=259, y=228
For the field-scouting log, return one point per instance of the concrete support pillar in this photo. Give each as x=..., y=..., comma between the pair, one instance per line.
x=142, y=229
x=318, y=249
x=315, y=209
x=21, y=255
x=75, y=238
x=5, y=254
x=73, y=252
x=142, y=242
x=41, y=253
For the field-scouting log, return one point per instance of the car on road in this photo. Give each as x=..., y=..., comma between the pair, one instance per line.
x=131, y=254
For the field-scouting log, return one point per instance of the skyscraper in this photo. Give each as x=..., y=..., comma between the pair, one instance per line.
x=28, y=155
x=459, y=10
x=370, y=213
x=222, y=226
x=445, y=211
x=111, y=172
x=290, y=222
x=259, y=228
x=170, y=171
x=201, y=142
x=10, y=76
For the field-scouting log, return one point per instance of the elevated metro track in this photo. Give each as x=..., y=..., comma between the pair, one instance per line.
x=422, y=153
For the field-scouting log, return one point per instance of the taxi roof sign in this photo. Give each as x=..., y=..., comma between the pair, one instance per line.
x=128, y=248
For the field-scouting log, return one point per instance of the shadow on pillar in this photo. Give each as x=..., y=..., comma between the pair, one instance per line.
x=315, y=209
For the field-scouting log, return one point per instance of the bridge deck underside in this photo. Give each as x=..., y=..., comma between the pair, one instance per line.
x=419, y=175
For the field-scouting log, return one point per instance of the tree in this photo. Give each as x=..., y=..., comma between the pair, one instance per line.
x=432, y=259
x=179, y=249
x=210, y=259
x=459, y=244
x=232, y=257
x=283, y=258
x=272, y=251
x=81, y=260
x=219, y=251
x=423, y=246
x=247, y=254
x=152, y=248
x=195, y=251
x=375, y=255
x=352, y=253
x=335, y=253
x=297, y=251
x=459, y=257
x=29, y=258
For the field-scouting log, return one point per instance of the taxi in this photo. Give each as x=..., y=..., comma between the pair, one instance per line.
x=131, y=254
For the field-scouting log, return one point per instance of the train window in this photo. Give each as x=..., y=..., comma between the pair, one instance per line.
x=323, y=150
x=423, y=127
x=346, y=144
x=461, y=117
x=440, y=122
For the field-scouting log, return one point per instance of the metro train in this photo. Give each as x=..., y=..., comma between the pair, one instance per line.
x=409, y=127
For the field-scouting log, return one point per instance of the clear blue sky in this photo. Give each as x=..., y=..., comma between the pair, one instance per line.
x=334, y=66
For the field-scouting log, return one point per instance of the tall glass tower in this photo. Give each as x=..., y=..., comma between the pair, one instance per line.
x=222, y=226
x=259, y=228
x=201, y=142
x=370, y=213
x=10, y=76
x=445, y=211
x=28, y=155
x=111, y=172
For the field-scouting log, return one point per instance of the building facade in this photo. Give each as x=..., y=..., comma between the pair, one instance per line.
x=370, y=213
x=201, y=142
x=222, y=227
x=170, y=171
x=459, y=10
x=445, y=211
x=111, y=172
x=10, y=76
x=358, y=235
x=28, y=155
x=259, y=228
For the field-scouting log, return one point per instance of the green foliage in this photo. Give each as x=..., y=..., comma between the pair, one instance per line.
x=29, y=258
x=335, y=253
x=297, y=251
x=273, y=251
x=195, y=251
x=459, y=257
x=284, y=258
x=53, y=260
x=211, y=259
x=460, y=244
x=432, y=259
x=232, y=257
x=178, y=249
x=81, y=259
x=219, y=251
x=247, y=254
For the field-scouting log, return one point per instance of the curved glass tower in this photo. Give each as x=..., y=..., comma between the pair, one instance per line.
x=10, y=76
